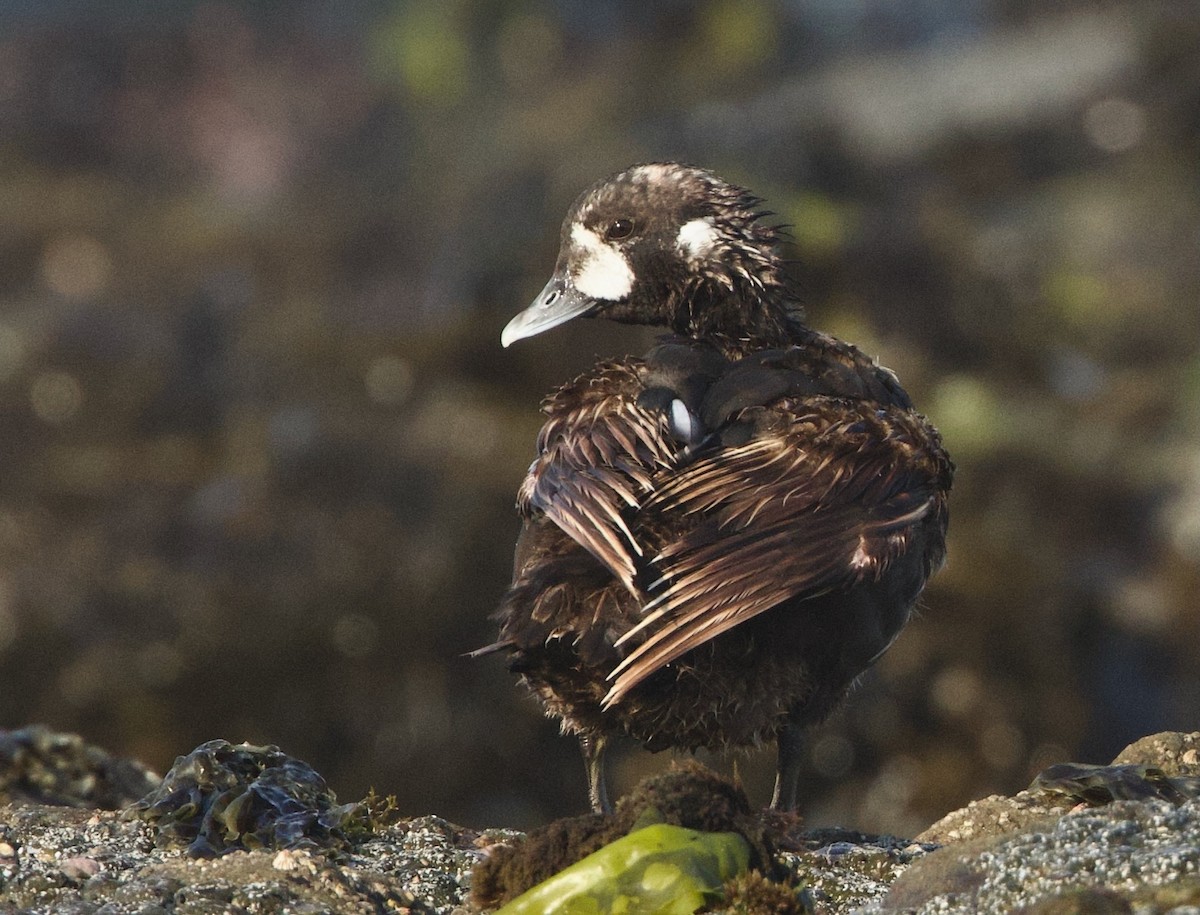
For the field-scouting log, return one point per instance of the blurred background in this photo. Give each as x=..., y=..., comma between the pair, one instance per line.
x=260, y=443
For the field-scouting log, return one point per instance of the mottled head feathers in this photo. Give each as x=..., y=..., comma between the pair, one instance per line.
x=670, y=245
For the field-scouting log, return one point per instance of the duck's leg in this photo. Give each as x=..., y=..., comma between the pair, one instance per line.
x=593, y=758
x=787, y=772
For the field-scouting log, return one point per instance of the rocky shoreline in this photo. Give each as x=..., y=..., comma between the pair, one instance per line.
x=1118, y=838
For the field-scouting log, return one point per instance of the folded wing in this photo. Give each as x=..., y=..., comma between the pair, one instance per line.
x=824, y=494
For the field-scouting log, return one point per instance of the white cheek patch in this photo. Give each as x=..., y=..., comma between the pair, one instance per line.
x=696, y=238
x=603, y=273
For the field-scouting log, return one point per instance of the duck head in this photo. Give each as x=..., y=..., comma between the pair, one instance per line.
x=664, y=244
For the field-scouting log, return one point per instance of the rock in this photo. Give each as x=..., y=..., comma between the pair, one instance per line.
x=844, y=871
x=416, y=866
x=1125, y=855
x=222, y=797
x=1082, y=839
x=79, y=867
x=995, y=815
x=1041, y=851
x=41, y=766
x=1174, y=753
x=315, y=856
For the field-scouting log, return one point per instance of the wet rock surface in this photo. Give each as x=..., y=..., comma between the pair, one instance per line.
x=1120, y=838
x=62, y=859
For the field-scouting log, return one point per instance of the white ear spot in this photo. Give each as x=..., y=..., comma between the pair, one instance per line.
x=683, y=424
x=602, y=271
x=696, y=238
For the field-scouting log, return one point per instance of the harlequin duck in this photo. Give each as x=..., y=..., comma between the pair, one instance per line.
x=721, y=535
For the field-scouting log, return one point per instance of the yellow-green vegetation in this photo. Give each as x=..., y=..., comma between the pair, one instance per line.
x=657, y=870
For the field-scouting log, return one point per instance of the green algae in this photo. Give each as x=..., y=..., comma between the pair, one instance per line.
x=656, y=870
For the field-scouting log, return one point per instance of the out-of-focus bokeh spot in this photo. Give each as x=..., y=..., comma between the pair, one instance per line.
x=1115, y=124
x=76, y=266
x=422, y=46
x=12, y=352
x=389, y=380
x=529, y=51
x=971, y=415
x=8, y=618
x=355, y=635
x=736, y=35
x=819, y=226
x=55, y=396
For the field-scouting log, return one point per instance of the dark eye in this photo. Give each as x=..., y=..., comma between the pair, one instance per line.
x=620, y=228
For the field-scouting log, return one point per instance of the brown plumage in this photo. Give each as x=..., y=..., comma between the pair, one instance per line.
x=722, y=535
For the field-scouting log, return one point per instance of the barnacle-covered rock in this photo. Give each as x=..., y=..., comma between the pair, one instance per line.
x=221, y=798
x=41, y=766
x=1043, y=854
x=1131, y=845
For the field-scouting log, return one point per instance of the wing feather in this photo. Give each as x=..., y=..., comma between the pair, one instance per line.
x=598, y=455
x=818, y=501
